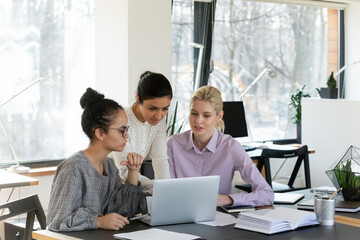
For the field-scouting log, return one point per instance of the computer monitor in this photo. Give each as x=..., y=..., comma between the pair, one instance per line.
x=234, y=118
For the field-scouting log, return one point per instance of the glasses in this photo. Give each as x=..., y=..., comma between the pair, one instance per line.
x=123, y=130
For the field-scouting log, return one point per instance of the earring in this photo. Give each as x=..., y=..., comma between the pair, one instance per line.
x=101, y=139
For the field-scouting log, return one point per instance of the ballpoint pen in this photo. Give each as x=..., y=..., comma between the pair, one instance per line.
x=335, y=193
x=138, y=217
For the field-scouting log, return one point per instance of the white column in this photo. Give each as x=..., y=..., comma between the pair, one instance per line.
x=352, y=50
x=132, y=36
x=330, y=126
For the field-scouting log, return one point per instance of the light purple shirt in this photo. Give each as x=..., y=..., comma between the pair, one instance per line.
x=222, y=156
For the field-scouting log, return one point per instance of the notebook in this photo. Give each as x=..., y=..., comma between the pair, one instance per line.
x=270, y=221
x=324, y=189
x=183, y=200
x=340, y=206
x=287, y=198
x=232, y=209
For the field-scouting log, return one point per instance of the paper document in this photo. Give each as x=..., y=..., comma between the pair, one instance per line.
x=221, y=219
x=155, y=234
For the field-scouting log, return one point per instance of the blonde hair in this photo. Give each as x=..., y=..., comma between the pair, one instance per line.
x=213, y=95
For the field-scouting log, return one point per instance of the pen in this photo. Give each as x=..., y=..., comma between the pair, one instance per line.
x=138, y=217
x=334, y=194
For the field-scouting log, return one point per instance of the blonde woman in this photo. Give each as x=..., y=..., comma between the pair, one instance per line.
x=205, y=150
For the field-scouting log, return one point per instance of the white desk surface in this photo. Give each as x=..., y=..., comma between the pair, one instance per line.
x=10, y=179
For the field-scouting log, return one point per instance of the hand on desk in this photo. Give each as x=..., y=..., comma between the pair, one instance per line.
x=112, y=221
x=224, y=200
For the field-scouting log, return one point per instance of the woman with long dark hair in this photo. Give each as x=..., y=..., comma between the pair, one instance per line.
x=148, y=127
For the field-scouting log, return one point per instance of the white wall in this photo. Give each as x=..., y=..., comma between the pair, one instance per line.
x=330, y=126
x=352, y=51
x=132, y=36
x=111, y=49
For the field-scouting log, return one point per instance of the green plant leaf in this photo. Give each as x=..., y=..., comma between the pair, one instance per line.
x=331, y=82
x=295, y=103
x=171, y=121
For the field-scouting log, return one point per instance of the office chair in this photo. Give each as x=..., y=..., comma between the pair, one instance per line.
x=267, y=155
x=30, y=205
x=147, y=169
x=302, y=155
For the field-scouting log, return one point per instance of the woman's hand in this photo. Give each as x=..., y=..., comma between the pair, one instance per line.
x=112, y=221
x=224, y=200
x=133, y=164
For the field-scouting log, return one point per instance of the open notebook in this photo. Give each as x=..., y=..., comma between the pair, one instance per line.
x=275, y=220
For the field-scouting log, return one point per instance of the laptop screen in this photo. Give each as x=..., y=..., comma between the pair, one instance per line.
x=183, y=200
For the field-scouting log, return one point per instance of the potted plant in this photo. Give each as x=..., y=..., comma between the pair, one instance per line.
x=295, y=103
x=331, y=91
x=345, y=174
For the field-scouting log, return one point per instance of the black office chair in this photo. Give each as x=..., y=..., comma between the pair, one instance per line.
x=147, y=169
x=30, y=205
x=302, y=155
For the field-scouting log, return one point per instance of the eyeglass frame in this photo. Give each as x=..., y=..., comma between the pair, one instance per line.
x=123, y=130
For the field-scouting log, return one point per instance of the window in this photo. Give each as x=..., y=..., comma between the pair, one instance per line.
x=298, y=42
x=51, y=40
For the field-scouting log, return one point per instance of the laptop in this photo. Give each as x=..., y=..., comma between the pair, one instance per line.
x=183, y=200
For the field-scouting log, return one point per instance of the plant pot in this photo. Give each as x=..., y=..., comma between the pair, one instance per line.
x=329, y=93
x=345, y=173
x=351, y=193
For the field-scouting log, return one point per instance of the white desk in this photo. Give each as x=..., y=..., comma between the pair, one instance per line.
x=11, y=180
